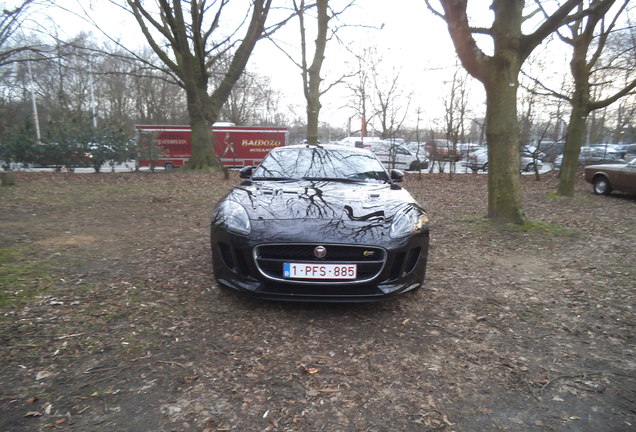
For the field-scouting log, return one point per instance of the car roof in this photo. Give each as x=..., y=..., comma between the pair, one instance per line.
x=324, y=146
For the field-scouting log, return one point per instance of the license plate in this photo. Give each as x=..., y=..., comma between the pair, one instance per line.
x=319, y=271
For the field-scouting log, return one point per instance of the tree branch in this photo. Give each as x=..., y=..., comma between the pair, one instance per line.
x=552, y=22
x=472, y=57
x=140, y=14
x=610, y=100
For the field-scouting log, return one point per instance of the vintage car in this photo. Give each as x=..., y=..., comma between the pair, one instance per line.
x=607, y=178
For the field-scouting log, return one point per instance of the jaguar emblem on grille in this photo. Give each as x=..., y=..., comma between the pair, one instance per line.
x=320, y=251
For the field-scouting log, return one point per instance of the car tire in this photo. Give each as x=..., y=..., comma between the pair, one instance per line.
x=168, y=166
x=602, y=186
x=415, y=165
x=529, y=167
x=485, y=167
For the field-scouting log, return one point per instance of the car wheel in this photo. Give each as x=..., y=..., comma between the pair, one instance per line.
x=529, y=167
x=485, y=167
x=168, y=166
x=602, y=186
x=415, y=165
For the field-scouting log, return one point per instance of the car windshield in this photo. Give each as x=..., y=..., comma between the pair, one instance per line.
x=319, y=163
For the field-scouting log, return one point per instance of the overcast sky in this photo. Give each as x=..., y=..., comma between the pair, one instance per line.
x=408, y=40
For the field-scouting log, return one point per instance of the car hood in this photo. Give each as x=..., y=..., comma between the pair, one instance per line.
x=324, y=200
x=606, y=166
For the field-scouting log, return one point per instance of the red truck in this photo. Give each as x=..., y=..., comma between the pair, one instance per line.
x=235, y=146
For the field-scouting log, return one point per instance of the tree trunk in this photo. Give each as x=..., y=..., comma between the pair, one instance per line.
x=7, y=178
x=500, y=79
x=313, y=110
x=502, y=133
x=570, y=163
x=311, y=76
x=203, y=157
x=580, y=110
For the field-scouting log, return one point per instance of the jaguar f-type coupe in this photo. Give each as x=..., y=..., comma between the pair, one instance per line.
x=320, y=223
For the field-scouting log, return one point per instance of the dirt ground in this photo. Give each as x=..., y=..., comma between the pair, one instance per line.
x=110, y=318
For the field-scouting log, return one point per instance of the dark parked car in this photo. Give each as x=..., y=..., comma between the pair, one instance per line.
x=612, y=149
x=441, y=149
x=465, y=149
x=592, y=155
x=606, y=178
x=627, y=151
x=320, y=223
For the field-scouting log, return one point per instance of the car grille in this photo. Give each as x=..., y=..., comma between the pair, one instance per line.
x=270, y=259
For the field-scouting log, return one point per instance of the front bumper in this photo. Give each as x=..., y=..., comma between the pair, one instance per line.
x=235, y=267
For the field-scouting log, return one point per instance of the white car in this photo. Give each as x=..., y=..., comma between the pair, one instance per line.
x=479, y=161
x=397, y=156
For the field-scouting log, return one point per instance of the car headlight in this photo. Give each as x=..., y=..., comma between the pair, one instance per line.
x=407, y=222
x=235, y=218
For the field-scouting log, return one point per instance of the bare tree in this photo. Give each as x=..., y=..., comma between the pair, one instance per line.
x=360, y=88
x=588, y=33
x=387, y=100
x=311, y=73
x=527, y=123
x=311, y=69
x=455, y=107
x=247, y=97
x=188, y=45
x=10, y=21
x=499, y=74
x=625, y=116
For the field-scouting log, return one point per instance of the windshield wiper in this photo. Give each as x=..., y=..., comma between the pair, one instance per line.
x=273, y=179
x=335, y=179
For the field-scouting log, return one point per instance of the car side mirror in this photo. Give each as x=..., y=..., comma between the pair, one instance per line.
x=397, y=176
x=246, y=172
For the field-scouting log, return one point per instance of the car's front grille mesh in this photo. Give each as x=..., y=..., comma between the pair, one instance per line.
x=369, y=260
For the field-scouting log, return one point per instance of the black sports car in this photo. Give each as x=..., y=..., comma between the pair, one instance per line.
x=320, y=223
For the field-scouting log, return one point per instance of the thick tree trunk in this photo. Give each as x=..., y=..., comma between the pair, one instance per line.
x=203, y=157
x=580, y=110
x=570, y=163
x=499, y=73
x=502, y=132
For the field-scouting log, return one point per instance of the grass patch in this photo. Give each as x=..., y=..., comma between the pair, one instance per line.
x=482, y=223
x=541, y=227
x=20, y=280
x=555, y=195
